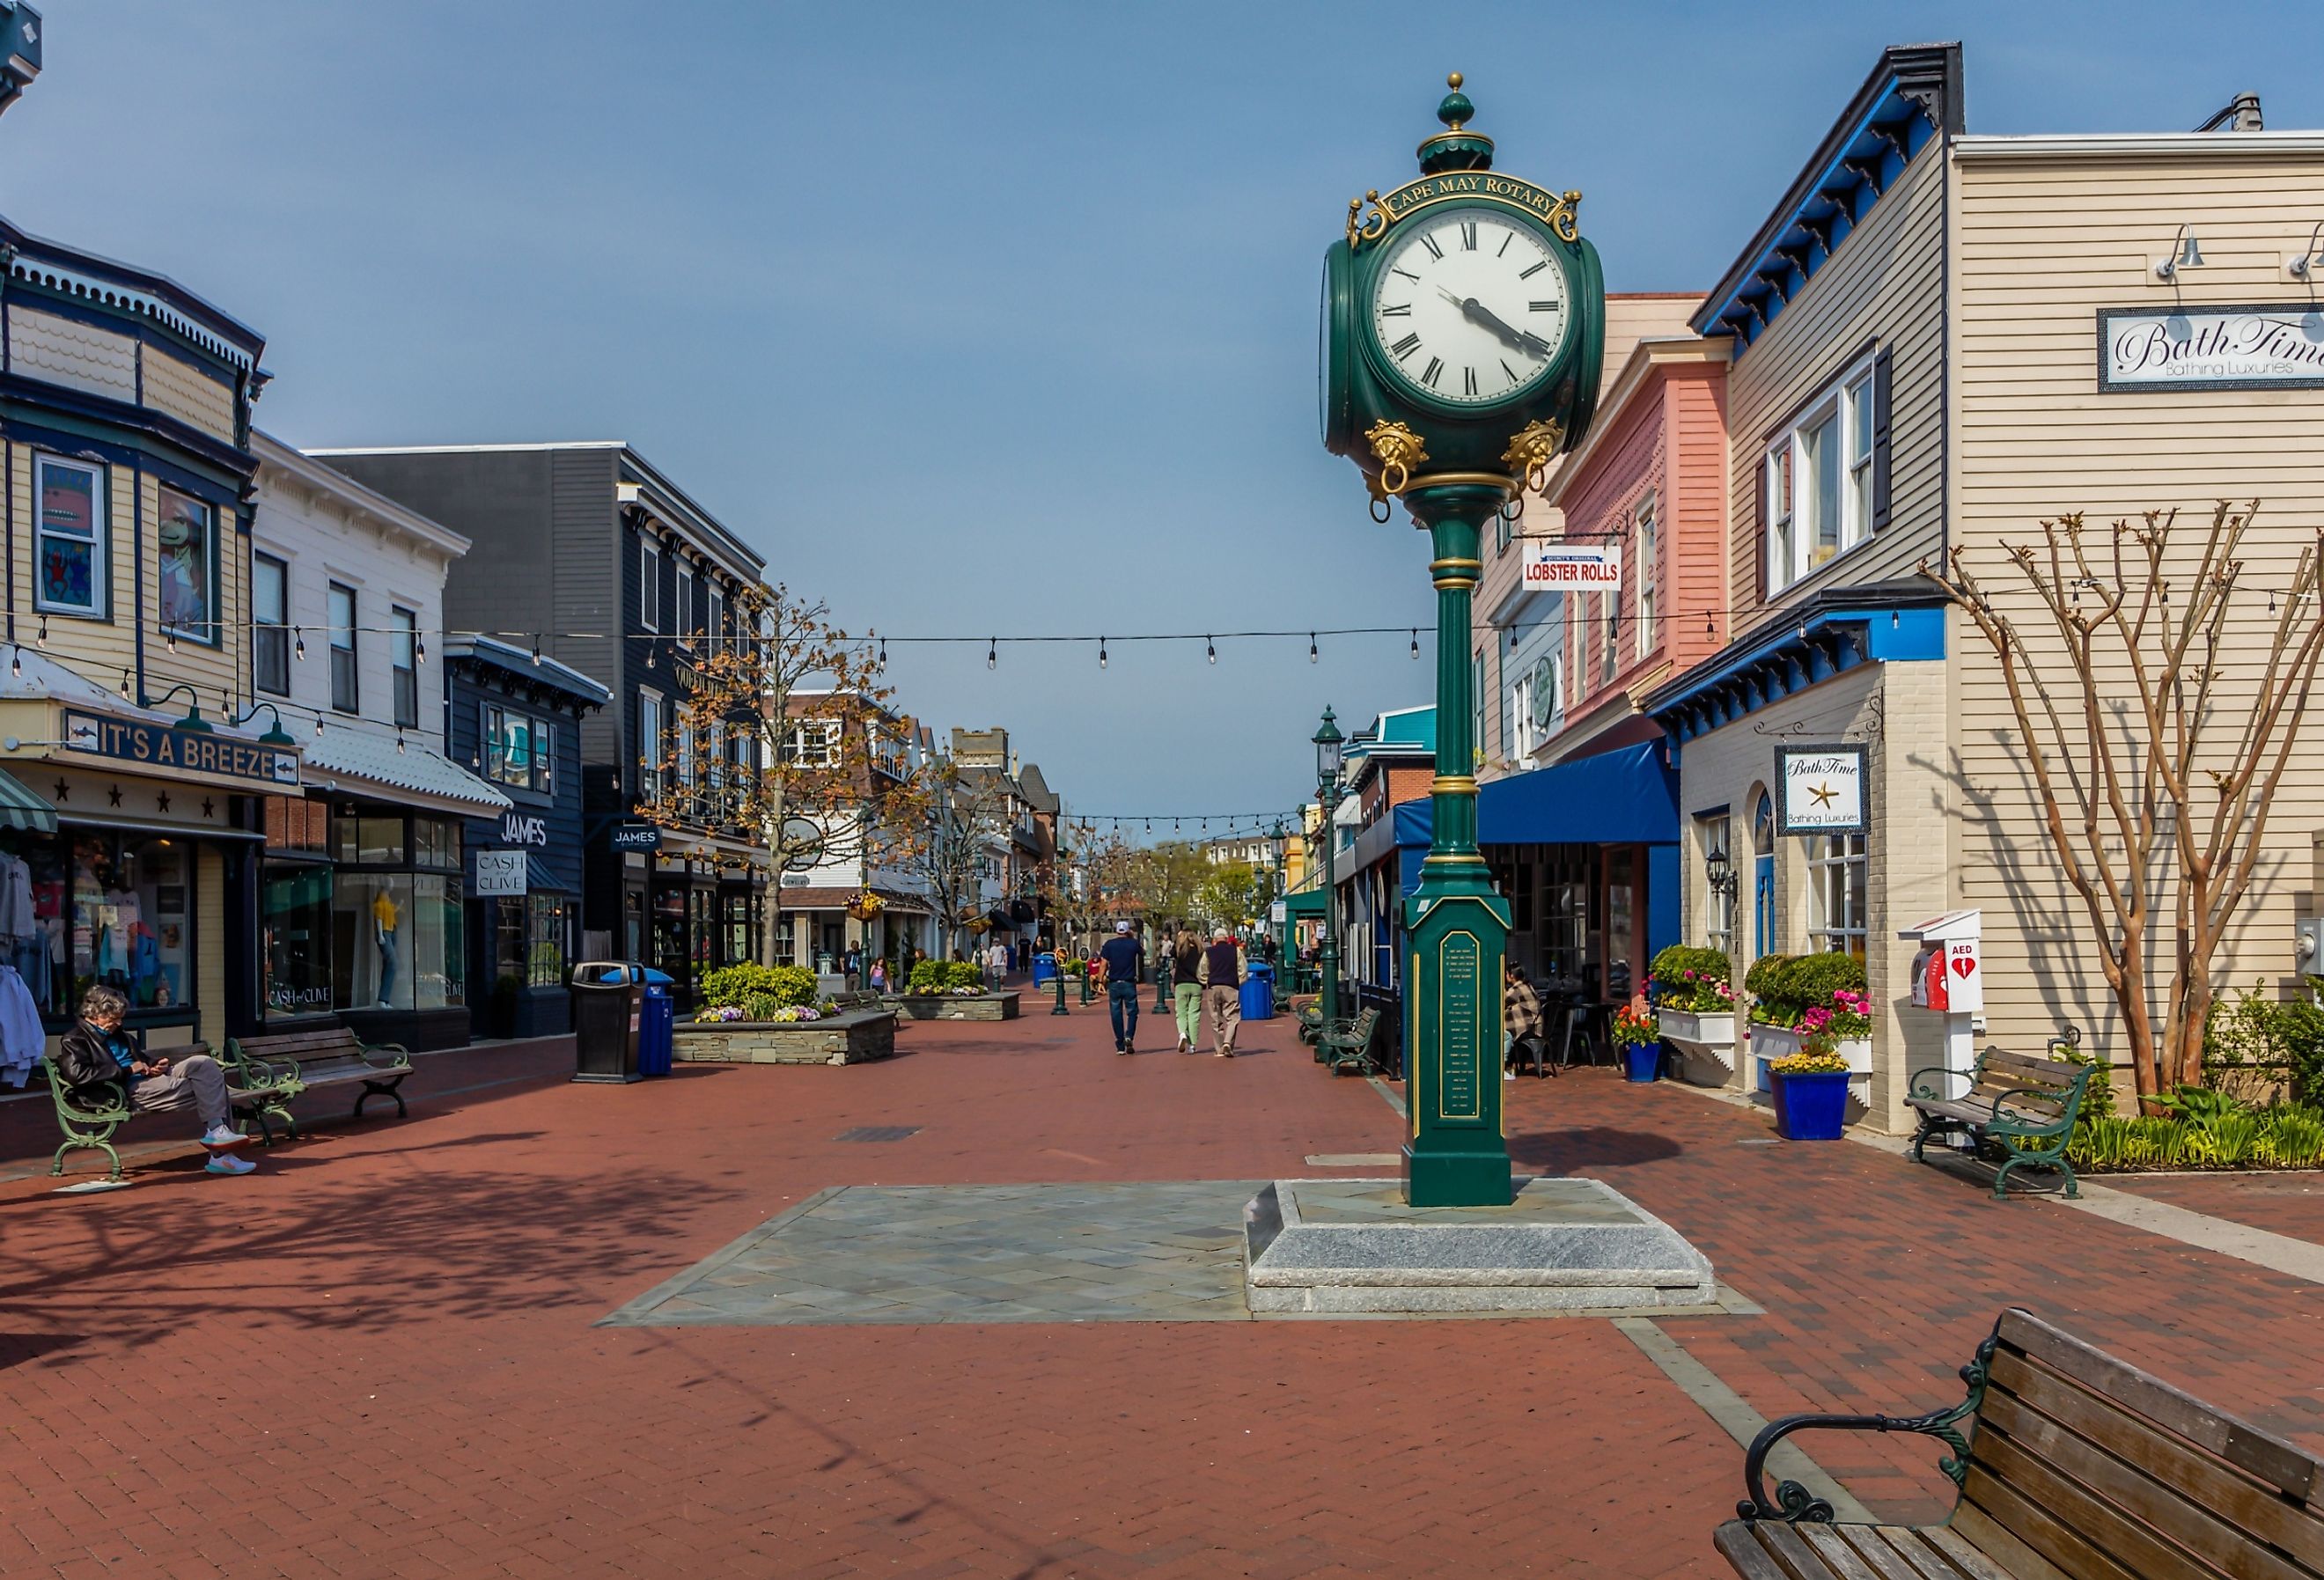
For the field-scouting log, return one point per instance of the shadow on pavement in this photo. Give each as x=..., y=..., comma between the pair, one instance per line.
x=1563, y=1151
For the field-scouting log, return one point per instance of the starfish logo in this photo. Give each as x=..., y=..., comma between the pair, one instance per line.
x=1823, y=794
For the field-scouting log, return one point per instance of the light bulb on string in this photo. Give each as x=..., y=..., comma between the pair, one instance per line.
x=535, y=647
x=1709, y=627
x=42, y=641
x=991, y=653
x=318, y=727
x=16, y=662
x=1415, y=644
x=124, y=685
x=399, y=743
x=2271, y=600
x=1101, y=653
x=1311, y=647
x=298, y=644
x=1211, y=647
x=419, y=649
x=170, y=635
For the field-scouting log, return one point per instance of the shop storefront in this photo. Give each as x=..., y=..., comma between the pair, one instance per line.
x=516, y=722
x=696, y=904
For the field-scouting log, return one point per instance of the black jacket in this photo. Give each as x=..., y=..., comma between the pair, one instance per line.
x=84, y=1063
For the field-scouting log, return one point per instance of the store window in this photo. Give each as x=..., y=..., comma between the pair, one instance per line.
x=1837, y=871
x=270, y=624
x=345, y=697
x=70, y=538
x=1817, y=478
x=739, y=916
x=1713, y=834
x=404, y=666
x=1648, y=531
x=650, y=586
x=111, y=908
x=186, y=577
x=545, y=940
x=398, y=926
x=295, y=915
x=520, y=749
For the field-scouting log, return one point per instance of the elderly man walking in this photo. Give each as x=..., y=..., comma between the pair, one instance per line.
x=1222, y=974
x=1124, y=967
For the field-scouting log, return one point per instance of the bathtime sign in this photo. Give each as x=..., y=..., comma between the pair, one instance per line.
x=156, y=746
x=1823, y=790
x=2211, y=349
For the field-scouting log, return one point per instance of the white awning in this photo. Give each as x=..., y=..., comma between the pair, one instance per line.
x=360, y=762
x=1351, y=813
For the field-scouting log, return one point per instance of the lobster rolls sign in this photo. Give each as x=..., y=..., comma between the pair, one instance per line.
x=1591, y=568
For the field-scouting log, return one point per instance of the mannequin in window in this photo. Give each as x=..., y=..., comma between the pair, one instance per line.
x=384, y=917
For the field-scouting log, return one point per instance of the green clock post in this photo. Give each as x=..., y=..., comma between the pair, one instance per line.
x=1463, y=331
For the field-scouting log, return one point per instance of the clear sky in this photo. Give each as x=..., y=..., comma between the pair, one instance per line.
x=977, y=319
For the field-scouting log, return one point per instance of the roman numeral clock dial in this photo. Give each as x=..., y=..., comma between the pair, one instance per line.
x=1468, y=307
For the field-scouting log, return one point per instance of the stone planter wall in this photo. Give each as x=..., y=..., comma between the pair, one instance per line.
x=947, y=1006
x=853, y=1037
x=1705, y=1045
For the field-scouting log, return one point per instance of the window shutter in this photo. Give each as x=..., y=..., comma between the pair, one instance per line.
x=1765, y=548
x=1880, y=439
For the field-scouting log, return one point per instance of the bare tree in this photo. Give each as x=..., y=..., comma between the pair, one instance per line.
x=833, y=787
x=1094, y=883
x=2149, y=809
x=961, y=814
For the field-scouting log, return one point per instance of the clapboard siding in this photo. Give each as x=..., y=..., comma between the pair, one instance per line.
x=2041, y=246
x=1886, y=284
x=591, y=565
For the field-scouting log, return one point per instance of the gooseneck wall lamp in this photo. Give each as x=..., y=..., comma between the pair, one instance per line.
x=2185, y=253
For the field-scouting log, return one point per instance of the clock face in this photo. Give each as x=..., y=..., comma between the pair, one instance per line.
x=1470, y=306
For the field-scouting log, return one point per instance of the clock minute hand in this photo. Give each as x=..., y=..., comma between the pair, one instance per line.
x=1476, y=312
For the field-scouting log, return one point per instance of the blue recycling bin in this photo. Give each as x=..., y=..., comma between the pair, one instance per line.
x=1259, y=992
x=656, y=1025
x=1045, y=969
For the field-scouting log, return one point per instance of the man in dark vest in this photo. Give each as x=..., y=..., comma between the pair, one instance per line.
x=1222, y=975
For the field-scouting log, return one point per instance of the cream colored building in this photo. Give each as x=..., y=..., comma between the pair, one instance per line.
x=1930, y=334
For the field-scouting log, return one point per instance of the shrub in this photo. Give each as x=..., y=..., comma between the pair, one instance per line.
x=735, y=985
x=1819, y=993
x=945, y=975
x=2254, y=1042
x=1690, y=979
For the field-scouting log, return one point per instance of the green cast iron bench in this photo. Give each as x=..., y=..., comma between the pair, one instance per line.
x=1347, y=1045
x=290, y=1063
x=2019, y=1110
x=89, y=1126
x=2072, y=1466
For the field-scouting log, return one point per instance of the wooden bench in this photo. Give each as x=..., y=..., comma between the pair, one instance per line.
x=2072, y=1466
x=2019, y=1110
x=292, y=1062
x=1347, y=1045
x=89, y=1127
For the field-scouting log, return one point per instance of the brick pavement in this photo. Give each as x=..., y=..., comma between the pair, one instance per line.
x=376, y=1357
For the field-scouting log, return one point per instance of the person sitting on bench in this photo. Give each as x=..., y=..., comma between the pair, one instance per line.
x=97, y=1058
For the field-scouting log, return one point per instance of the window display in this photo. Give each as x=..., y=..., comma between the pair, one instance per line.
x=398, y=936
x=295, y=906
x=108, y=909
x=70, y=551
x=545, y=940
x=187, y=575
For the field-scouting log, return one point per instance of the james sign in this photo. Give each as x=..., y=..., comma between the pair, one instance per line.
x=1823, y=790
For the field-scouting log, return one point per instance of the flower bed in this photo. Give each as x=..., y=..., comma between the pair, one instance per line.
x=1816, y=1001
x=955, y=1004
x=2200, y=1128
x=855, y=1037
x=1694, y=1007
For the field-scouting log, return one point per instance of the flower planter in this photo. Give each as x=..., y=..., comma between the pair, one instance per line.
x=1642, y=1062
x=1704, y=1043
x=851, y=1038
x=1773, y=1042
x=954, y=1006
x=1812, y=1107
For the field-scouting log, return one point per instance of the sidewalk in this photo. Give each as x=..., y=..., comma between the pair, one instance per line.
x=376, y=1356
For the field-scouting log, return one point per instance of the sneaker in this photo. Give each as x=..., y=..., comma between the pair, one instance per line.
x=226, y=1163
x=223, y=1136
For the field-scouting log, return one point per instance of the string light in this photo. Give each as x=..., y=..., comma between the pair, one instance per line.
x=1101, y=653
x=299, y=644
x=1709, y=628
x=42, y=640
x=1212, y=648
x=399, y=743
x=16, y=662
x=1311, y=647
x=124, y=685
x=1415, y=644
x=420, y=648
x=318, y=727
x=993, y=652
x=535, y=647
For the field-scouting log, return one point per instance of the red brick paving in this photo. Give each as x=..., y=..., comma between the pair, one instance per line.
x=2289, y=1202
x=374, y=1358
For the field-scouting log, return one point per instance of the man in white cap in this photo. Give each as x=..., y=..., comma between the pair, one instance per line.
x=1223, y=991
x=1125, y=964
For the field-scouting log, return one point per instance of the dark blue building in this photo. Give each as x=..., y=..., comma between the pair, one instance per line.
x=515, y=720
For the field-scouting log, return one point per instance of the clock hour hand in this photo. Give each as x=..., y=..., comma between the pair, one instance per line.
x=1477, y=313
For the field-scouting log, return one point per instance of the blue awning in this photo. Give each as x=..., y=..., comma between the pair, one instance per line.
x=1628, y=796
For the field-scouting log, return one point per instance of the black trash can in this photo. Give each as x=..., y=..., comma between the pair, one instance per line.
x=608, y=999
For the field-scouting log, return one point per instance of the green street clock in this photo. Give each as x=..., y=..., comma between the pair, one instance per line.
x=1463, y=322
x=1464, y=326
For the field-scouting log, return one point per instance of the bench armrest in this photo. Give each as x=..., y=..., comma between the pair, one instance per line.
x=254, y=1070
x=2020, y=1121
x=1794, y=1503
x=1936, y=1093
x=391, y=1053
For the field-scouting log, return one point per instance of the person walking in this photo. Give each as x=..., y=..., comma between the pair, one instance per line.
x=1124, y=966
x=1222, y=977
x=1186, y=987
x=1521, y=1019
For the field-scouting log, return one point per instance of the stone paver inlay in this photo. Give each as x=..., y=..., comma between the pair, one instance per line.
x=1168, y=1252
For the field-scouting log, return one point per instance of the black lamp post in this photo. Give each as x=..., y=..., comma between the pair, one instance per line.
x=1328, y=761
x=1276, y=841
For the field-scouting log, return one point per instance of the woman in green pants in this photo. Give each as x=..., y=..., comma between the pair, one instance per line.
x=1185, y=992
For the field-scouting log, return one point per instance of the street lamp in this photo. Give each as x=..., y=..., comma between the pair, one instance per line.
x=1277, y=840
x=1719, y=877
x=1329, y=759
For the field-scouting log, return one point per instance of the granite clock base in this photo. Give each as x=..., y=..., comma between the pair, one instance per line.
x=1562, y=1245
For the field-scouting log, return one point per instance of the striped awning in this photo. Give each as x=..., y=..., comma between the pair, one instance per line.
x=21, y=809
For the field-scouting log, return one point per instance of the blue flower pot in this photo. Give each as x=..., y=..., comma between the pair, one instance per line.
x=1642, y=1063
x=1812, y=1107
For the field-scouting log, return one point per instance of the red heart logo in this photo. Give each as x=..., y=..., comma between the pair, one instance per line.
x=1963, y=964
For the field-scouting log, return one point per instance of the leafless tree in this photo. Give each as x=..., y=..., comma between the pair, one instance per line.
x=2155, y=765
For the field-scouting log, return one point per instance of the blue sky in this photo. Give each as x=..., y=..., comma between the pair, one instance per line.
x=976, y=319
